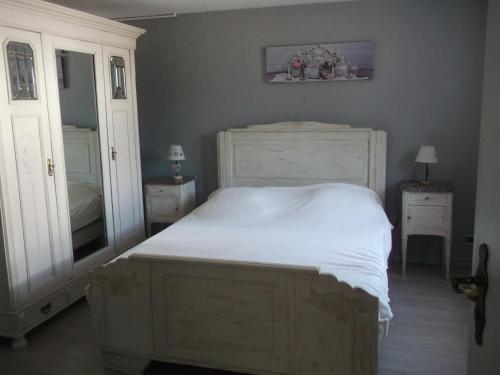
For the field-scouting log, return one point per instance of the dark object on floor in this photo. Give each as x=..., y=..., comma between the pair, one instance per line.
x=475, y=288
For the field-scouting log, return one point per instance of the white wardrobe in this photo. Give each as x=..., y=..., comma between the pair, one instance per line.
x=70, y=179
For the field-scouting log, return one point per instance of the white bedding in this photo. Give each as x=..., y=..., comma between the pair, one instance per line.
x=341, y=229
x=85, y=204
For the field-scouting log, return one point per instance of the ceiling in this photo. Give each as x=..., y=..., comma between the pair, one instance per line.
x=140, y=8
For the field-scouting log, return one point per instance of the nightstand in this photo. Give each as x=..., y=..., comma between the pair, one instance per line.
x=427, y=210
x=167, y=201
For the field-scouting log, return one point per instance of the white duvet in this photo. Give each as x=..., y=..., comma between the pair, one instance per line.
x=85, y=204
x=339, y=228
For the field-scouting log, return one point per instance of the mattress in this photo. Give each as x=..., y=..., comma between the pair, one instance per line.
x=85, y=204
x=341, y=229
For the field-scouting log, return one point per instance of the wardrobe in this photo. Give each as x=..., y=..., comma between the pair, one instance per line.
x=70, y=178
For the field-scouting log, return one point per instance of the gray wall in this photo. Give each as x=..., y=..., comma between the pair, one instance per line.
x=78, y=102
x=201, y=73
x=484, y=359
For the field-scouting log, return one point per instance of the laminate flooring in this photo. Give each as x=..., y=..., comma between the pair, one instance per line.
x=428, y=335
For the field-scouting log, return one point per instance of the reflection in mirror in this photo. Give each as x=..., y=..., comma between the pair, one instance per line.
x=82, y=155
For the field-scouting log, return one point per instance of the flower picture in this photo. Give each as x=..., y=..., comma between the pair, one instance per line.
x=320, y=62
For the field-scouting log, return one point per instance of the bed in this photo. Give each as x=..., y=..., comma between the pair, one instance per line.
x=85, y=208
x=246, y=282
x=82, y=162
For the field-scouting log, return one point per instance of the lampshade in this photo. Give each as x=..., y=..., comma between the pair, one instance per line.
x=175, y=153
x=427, y=154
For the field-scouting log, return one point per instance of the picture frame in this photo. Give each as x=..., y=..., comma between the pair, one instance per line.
x=346, y=61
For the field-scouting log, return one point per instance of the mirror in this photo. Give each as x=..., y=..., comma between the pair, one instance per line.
x=82, y=154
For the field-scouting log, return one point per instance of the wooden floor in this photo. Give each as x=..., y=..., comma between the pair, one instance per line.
x=429, y=331
x=428, y=335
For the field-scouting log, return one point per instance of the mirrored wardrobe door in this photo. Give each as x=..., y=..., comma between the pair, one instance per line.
x=84, y=193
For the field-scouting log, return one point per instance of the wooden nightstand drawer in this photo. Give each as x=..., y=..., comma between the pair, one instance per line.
x=427, y=220
x=162, y=189
x=428, y=199
x=163, y=207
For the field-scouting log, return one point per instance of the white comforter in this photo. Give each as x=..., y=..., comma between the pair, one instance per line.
x=339, y=228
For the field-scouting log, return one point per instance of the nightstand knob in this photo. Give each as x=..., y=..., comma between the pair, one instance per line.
x=426, y=198
x=408, y=218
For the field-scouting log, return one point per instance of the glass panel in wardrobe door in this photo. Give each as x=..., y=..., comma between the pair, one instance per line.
x=82, y=154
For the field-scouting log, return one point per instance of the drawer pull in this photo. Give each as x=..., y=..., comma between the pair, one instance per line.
x=46, y=309
x=426, y=198
x=408, y=218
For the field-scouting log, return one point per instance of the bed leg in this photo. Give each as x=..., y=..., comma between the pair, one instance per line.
x=125, y=364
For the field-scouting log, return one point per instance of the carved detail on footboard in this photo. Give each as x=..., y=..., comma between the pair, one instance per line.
x=246, y=318
x=120, y=300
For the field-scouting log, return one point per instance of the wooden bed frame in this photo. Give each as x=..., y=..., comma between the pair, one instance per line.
x=249, y=318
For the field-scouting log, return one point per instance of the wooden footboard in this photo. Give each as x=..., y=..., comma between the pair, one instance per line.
x=245, y=318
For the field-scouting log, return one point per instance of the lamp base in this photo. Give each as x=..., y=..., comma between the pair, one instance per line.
x=177, y=179
x=426, y=183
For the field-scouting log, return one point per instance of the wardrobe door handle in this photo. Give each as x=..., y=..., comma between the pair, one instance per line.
x=475, y=288
x=50, y=167
x=113, y=153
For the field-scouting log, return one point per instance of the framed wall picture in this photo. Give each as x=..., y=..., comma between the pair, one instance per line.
x=320, y=62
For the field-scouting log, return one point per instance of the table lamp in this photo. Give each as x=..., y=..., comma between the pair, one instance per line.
x=427, y=155
x=176, y=154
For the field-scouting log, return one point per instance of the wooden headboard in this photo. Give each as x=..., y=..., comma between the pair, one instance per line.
x=302, y=153
x=81, y=155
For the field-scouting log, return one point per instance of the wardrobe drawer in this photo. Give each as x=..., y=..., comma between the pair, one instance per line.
x=162, y=189
x=43, y=309
x=428, y=199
